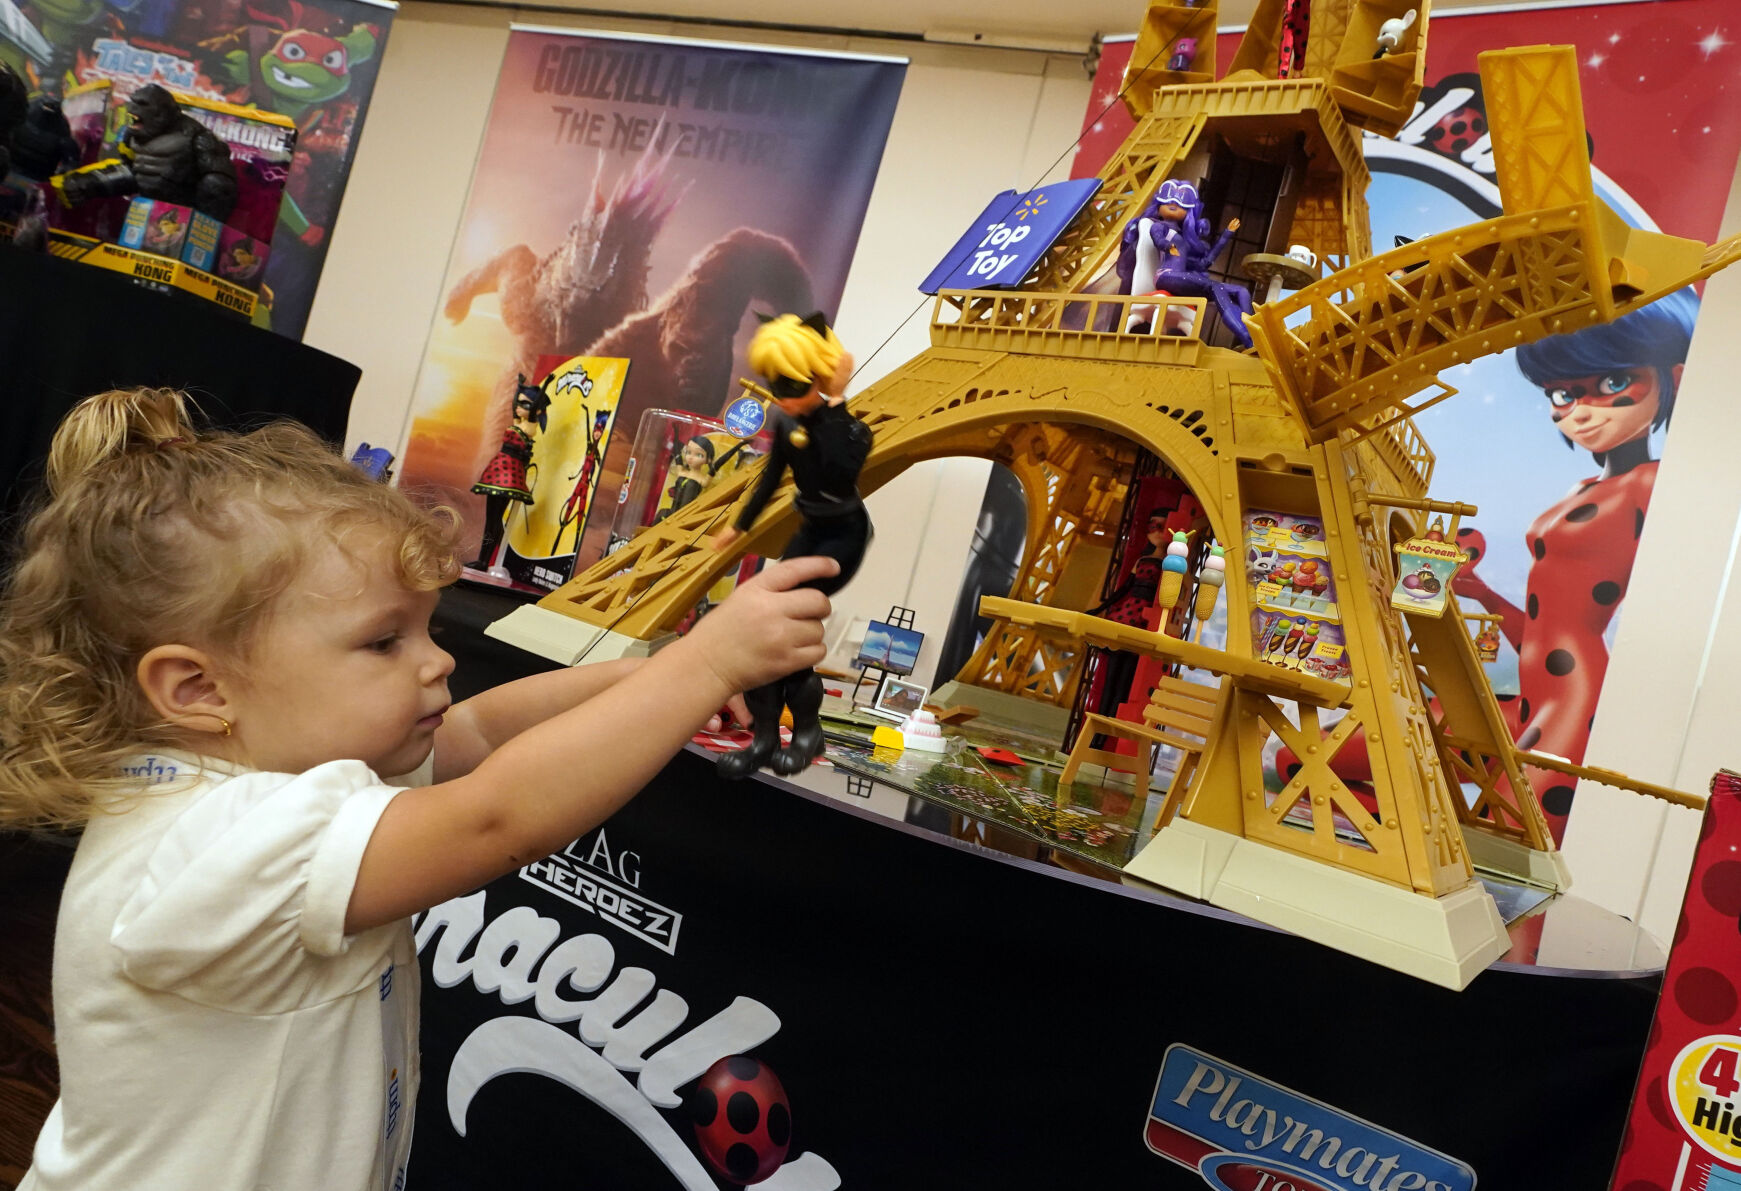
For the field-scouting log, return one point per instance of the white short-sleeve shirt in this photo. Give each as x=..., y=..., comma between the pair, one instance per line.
x=216, y=1027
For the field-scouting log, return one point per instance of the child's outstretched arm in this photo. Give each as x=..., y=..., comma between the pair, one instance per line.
x=559, y=779
x=474, y=729
x=485, y=722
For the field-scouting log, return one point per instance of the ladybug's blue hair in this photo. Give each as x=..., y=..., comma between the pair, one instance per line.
x=1655, y=336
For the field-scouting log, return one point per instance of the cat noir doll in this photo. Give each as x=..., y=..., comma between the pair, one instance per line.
x=506, y=476
x=824, y=447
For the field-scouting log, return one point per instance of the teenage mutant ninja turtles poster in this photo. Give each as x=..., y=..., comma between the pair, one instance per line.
x=642, y=199
x=314, y=63
x=1558, y=442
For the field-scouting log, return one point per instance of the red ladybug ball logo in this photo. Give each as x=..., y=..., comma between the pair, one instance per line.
x=743, y=1124
x=1457, y=131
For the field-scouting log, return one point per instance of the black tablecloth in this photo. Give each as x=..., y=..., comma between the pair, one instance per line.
x=68, y=330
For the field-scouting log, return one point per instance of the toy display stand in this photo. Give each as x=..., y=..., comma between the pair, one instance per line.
x=857, y=998
x=850, y=982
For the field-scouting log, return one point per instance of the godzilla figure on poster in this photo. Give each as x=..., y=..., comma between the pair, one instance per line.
x=648, y=226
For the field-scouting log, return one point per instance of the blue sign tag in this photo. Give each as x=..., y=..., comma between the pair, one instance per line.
x=1240, y=1131
x=1010, y=236
x=745, y=418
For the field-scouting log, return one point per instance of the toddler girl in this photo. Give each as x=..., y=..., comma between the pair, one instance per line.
x=215, y=656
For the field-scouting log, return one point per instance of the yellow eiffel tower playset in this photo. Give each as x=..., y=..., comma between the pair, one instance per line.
x=1314, y=425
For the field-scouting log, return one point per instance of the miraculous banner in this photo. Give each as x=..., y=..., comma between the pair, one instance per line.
x=314, y=63
x=1558, y=442
x=638, y=199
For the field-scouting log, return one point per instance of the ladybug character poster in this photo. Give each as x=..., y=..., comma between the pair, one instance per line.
x=1558, y=443
x=314, y=63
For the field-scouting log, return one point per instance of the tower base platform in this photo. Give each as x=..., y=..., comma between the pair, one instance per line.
x=1446, y=940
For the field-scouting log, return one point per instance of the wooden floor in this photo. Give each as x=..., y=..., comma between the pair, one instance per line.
x=31, y=874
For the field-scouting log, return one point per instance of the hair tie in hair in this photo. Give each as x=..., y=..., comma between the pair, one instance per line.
x=168, y=442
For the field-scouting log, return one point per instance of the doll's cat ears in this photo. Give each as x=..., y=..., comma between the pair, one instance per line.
x=816, y=321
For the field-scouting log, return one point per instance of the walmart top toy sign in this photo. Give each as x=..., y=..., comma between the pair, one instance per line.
x=1010, y=236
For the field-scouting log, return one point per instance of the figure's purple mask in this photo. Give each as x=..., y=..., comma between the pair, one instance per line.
x=1175, y=191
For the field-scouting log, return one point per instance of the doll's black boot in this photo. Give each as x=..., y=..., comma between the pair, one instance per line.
x=764, y=703
x=803, y=694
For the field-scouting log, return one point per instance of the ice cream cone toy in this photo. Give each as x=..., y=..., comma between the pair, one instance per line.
x=1277, y=636
x=1209, y=582
x=1173, y=568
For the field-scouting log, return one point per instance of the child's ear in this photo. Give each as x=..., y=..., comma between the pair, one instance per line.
x=179, y=684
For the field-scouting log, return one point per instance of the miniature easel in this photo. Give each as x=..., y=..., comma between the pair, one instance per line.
x=899, y=618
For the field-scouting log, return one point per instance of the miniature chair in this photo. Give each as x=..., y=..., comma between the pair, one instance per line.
x=1179, y=714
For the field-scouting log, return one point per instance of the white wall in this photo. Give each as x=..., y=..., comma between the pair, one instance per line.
x=1671, y=703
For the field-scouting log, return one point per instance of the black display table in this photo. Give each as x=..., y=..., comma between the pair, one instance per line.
x=69, y=330
x=942, y=1016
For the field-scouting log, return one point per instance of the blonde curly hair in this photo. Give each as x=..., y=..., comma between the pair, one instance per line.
x=152, y=534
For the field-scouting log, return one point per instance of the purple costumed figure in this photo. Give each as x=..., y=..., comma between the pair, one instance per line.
x=1167, y=250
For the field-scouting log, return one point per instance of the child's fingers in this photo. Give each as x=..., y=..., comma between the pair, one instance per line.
x=783, y=576
x=806, y=603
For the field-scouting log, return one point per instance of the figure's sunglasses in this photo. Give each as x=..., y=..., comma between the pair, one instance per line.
x=1618, y=388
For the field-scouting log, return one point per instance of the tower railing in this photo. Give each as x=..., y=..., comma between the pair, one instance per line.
x=1089, y=326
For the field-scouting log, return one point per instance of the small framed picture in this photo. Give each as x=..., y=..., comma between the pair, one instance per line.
x=898, y=699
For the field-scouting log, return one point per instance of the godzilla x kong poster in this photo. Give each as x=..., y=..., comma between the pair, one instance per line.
x=314, y=63
x=1558, y=443
x=640, y=199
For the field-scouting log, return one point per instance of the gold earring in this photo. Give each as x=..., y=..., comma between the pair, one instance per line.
x=225, y=723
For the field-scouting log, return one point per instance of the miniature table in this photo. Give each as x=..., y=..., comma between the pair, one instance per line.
x=1275, y=272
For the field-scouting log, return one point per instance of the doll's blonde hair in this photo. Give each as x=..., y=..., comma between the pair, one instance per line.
x=153, y=534
x=791, y=347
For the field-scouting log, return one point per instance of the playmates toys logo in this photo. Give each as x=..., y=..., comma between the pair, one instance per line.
x=588, y=875
x=1243, y=1133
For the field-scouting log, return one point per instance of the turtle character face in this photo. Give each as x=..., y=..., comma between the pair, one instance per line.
x=307, y=67
x=68, y=16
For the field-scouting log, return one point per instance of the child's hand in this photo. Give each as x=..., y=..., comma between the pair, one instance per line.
x=735, y=714
x=769, y=627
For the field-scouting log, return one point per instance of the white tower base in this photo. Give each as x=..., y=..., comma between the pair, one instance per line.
x=1447, y=940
